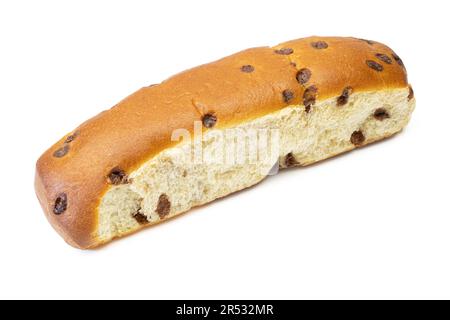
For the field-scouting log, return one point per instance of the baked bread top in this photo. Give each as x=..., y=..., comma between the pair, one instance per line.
x=74, y=173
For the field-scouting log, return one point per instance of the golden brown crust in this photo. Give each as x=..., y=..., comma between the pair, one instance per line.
x=244, y=86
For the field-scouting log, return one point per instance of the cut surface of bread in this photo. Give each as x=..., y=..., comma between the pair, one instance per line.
x=172, y=183
x=219, y=128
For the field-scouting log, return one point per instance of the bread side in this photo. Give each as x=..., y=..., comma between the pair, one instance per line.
x=123, y=170
x=171, y=183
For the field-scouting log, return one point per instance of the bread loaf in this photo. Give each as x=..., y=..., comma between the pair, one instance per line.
x=148, y=158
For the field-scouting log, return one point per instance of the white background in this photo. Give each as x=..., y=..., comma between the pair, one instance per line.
x=373, y=223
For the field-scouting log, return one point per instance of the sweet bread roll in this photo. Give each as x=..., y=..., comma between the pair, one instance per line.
x=219, y=128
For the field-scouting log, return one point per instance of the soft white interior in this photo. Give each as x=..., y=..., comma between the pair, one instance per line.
x=310, y=137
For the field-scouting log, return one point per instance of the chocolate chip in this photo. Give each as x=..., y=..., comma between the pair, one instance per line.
x=284, y=51
x=319, y=45
x=381, y=114
x=117, y=176
x=343, y=99
x=247, y=68
x=357, y=138
x=309, y=97
x=72, y=137
x=293, y=64
x=60, y=204
x=163, y=207
x=367, y=41
x=374, y=65
x=288, y=95
x=61, y=152
x=209, y=120
x=411, y=93
x=140, y=218
x=303, y=75
x=290, y=161
x=398, y=60
x=384, y=58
